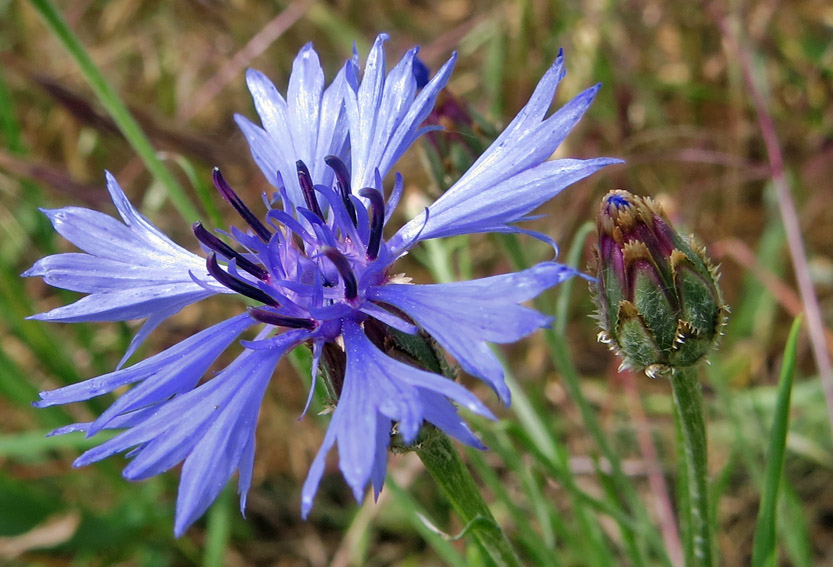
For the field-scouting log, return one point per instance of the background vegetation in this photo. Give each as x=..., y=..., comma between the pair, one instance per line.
x=581, y=469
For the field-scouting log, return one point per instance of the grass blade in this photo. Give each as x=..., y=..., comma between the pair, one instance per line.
x=763, y=552
x=116, y=108
x=219, y=529
x=35, y=444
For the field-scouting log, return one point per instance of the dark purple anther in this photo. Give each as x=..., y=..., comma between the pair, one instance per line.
x=232, y=199
x=235, y=284
x=342, y=264
x=272, y=318
x=343, y=182
x=377, y=220
x=421, y=72
x=305, y=180
x=213, y=243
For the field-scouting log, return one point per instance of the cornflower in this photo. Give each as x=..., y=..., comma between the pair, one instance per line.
x=320, y=271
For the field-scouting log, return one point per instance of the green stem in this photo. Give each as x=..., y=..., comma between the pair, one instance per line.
x=454, y=479
x=447, y=468
x=115, y=107
x=688, y=404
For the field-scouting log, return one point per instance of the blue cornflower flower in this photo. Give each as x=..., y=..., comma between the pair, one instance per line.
x=320, y=271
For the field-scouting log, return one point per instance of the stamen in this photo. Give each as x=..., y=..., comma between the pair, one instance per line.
x=305, y=180
x=377, y=220
x=234, y=284
x=343, y=183
x=272, y=318
x=232, y=199
x=226, y=251
x=342, y=264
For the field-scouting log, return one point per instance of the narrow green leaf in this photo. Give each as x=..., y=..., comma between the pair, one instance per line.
x=219, y=529
x=763, y=552
x=418, y=518
x=205, y=193
x=115, y=107
x=574, y=255
x=34, y=444
x=455, y=481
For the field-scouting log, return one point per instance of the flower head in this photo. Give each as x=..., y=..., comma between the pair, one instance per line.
x=319, y=270
x=660, y=307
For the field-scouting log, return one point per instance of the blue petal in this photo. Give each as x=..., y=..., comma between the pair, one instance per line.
x=380, y=461
x=244, y=472
x=88, y=274
x=306, y=86
x=386, y=112
x=408, y=129
x=266, y=153
x=442, y=413
x=218, y=453
x=140, y=225
x=511, y=178
x=316, y=470
x=462, y=316
x=211, y=427
x=185, y=362
x=308, y=126
x=131, y=269
x=378, y=390
x=127, y=304
x=488, y=207
x=363, y=111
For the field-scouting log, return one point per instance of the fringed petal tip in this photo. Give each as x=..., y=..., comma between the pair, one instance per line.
x=44, y=402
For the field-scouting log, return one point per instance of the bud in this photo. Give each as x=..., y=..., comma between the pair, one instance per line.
x=660, y=307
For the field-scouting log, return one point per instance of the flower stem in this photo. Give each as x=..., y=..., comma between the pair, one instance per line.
x=694, y=501
x=454, y=479
x=445, y=465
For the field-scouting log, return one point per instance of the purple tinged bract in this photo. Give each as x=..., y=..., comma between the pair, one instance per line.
x=320, y=272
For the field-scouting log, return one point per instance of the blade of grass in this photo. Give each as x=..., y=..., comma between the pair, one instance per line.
x=418, y=518
x=50, y=348
x=756, y=83
x=34, y=444
x=536, y=545
x=115, y=107
x=219, y=529
x=763, y=551
x=746, y=446
x=552, y=456
x=621, y=488
x=205, y=194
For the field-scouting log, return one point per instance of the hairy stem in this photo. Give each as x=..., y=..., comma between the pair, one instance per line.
x=454, y=479
x=694, y=501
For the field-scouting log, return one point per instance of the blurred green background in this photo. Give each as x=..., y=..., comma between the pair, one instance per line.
x=675, y=105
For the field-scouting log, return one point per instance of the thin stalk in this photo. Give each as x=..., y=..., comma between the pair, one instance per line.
x=688, y=406
x=448, y=470
x=117, y=110
x=789, y=214
x=764, y=548
x=218, y=531
x=455, y=481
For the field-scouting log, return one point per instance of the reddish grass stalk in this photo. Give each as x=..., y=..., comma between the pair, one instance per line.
x=741, y=253
x=789, y=216
x=257, y=45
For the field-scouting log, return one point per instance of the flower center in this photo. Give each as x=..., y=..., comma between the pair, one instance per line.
x=306, y=265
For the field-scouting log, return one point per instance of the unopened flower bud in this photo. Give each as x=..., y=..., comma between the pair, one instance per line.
x=660, y=307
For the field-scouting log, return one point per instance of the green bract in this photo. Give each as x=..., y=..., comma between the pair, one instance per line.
x=660, y=307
